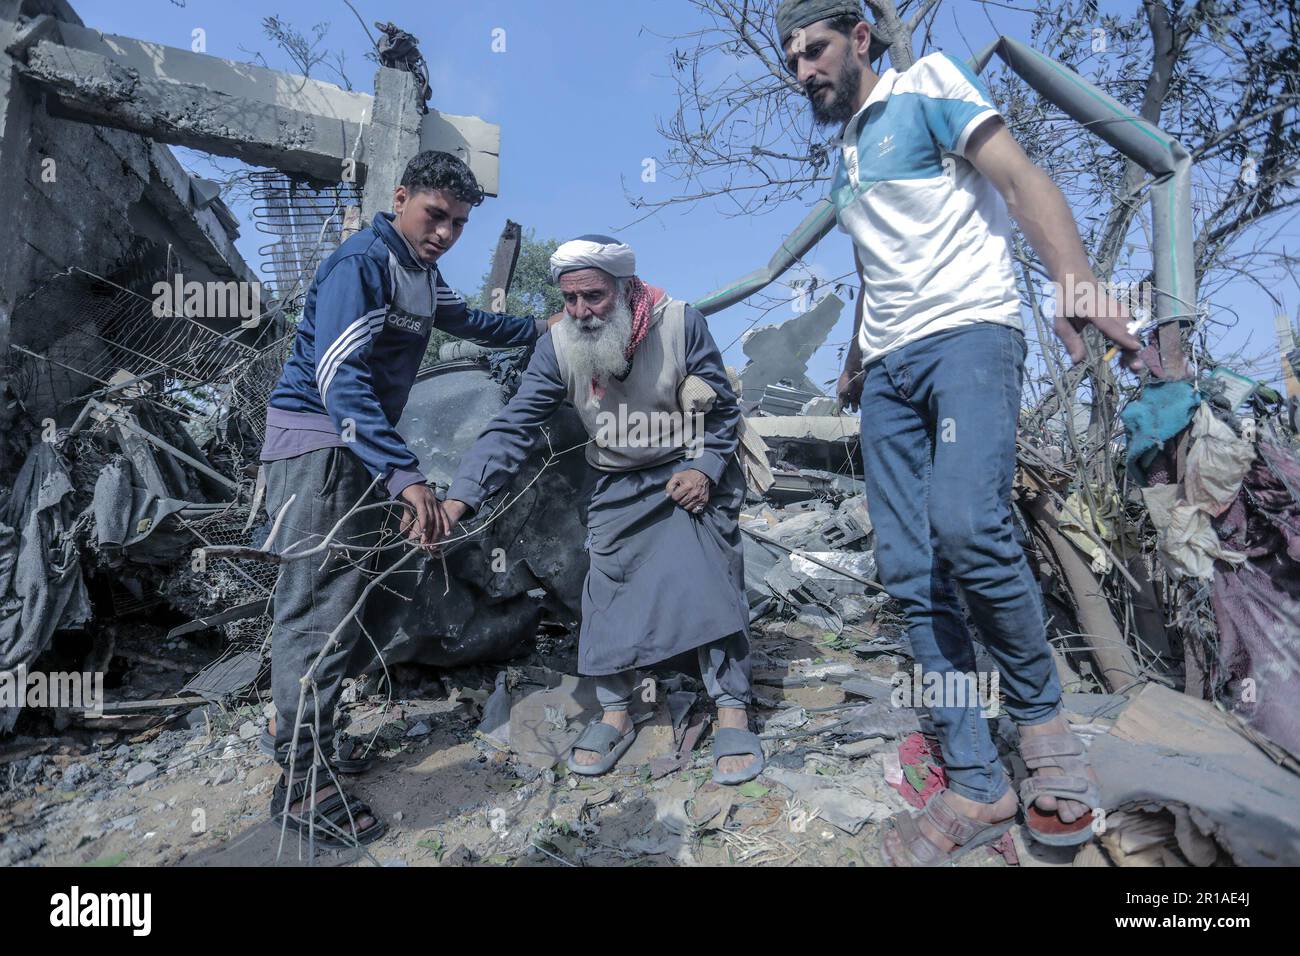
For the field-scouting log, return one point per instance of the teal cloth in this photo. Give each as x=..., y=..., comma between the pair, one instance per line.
x=1162, y=412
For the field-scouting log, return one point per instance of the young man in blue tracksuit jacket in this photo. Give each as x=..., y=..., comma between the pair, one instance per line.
x=332, y=447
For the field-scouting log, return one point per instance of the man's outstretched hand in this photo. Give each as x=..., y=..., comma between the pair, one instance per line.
x=453, y=511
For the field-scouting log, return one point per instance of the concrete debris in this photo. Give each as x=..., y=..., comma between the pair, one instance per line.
x=780, y=353
x=1170, y=752
x=817, y=428
x=140, y=773
x=847, y=802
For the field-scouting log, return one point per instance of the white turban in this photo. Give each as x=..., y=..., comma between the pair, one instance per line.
x=594, y=252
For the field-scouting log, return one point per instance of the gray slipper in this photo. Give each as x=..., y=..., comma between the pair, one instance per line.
x=730, y=742
x=600, y=738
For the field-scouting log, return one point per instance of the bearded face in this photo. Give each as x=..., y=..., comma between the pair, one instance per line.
x=822, y=60
x=597, y=305
x=835, y=102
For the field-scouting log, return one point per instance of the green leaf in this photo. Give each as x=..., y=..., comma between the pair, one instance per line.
x=916, y=777
x=753, y=790
x=113, y=859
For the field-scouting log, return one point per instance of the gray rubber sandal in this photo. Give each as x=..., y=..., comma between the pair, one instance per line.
x=601, y=738
x=907, y=845
x=731, y=742
x=1067, y=752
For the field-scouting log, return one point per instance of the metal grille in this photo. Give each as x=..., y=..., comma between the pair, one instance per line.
x=78, y=329
x=226, y=582
x=307, y=219
x=254, y=381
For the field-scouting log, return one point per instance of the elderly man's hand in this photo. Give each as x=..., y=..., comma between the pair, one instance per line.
x=423, y=520
x=690, y=488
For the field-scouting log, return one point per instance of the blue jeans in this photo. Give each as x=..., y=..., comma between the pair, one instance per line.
x=939, y=420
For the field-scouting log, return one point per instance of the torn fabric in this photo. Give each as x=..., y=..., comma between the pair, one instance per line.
x=1257, y=605
x=41, y=589
x=1161, y=413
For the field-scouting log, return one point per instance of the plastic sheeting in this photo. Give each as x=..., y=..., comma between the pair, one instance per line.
x=41, y=588
x=1077, y=518
x=1182, y=514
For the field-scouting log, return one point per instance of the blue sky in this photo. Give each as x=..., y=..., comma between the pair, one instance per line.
x=577, y=92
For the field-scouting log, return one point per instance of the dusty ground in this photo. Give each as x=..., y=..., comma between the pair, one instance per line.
x=198, y=795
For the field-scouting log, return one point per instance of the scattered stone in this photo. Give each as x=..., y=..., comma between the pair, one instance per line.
x=225, y=776
x=419, y=730
x=33, y=769
x=74, y=775
x=860, y=748
x=248, y=730
x=140, y=773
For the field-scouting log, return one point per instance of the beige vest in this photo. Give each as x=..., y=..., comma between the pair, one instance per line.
x=638, y=423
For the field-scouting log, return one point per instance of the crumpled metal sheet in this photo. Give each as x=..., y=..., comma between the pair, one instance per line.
x=125, y=513
x=1171, y=749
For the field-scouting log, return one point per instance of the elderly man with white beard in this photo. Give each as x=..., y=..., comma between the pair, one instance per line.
x=666, y=575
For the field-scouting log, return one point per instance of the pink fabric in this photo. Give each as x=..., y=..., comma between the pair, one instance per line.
x=641, y=299
x=916, y=751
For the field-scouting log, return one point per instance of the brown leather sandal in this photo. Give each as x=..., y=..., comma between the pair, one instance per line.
x=1067, y=752
x=907, y=845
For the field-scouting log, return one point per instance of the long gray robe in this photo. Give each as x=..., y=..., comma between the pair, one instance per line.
x=662, y=581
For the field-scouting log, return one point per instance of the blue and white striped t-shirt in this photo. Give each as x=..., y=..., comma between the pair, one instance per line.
x=932, y=233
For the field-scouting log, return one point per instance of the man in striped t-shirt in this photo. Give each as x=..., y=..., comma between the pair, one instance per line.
x=927, y=184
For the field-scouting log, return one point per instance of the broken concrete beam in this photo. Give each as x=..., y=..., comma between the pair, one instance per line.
x=170, y=189
x=814, y=427
x=261, y=116
x=475, y=141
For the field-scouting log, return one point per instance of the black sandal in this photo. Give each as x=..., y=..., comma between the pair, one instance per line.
x=334, y=815
x=343, y=744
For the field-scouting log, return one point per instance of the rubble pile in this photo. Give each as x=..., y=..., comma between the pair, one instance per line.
x=130, y=543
